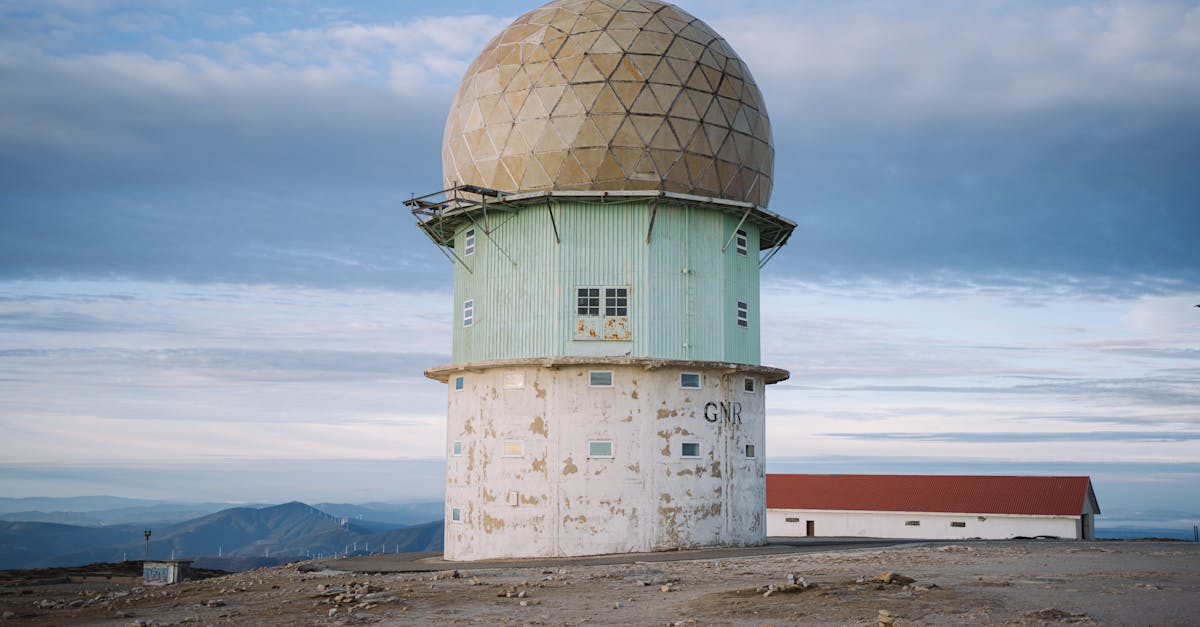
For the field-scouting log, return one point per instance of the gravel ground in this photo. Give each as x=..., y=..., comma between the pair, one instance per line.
x=983, y=583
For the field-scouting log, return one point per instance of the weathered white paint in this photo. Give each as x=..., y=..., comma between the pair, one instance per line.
x=935, y=526
x=553, y=500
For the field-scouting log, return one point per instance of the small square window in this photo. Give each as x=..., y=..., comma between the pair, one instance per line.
x=600, y=448
x=455, y=515
x=456, y=449
x=750, y=452
x=912, y=523
x=588, y=301
x=743, y=314
x=748, y=384
x=459, y=383
x=689, y=380
x=469, y=243
x=600, y=378
x=958, y=524
x=514, y=380
x=742, y=246
x=514, y=448
x=468, y=313
x=690, y=449
x=616, y=301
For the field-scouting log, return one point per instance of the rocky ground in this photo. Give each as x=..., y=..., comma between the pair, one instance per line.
x=984, y=583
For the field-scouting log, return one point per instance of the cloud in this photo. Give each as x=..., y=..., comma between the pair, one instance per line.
x=992, y=437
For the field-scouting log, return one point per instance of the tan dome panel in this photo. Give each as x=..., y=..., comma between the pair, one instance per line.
x=609, y=95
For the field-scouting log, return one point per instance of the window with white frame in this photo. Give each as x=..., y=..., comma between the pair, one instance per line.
x=459, y=383
x=690, y=449
x=513, y=380
x=587, y=301
x=600, y=378
x=468, y=312
x=469, y=243
x=748, y=384
x=456, y=449
x=600, y=448
x=743, y=314
x=455, y=515
x=611, y=301
x=514, y=448
x=616, y=301
x=689, y=380
x=912, y=523
x=742, y=243
x=958, y=524
x=750, y=452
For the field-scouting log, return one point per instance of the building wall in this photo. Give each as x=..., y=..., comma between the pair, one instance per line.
x=553, y=499
x=683, y=287
x=932, y=525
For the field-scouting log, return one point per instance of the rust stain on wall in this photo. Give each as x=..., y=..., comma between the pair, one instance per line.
x=538, y=426
x=569, y=468
x=716, y=469
x=530, y=500
x=666, y=451
x=685, y=471
x=667, y=413
x=491, y=524
x=539, y=465
x=635, y=468
x=634, y=394
x=538, y=390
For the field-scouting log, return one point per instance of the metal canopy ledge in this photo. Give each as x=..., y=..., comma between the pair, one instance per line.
x=439, y=218
x=768, y=373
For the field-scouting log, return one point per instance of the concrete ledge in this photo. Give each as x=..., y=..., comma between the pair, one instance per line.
x=769, y=374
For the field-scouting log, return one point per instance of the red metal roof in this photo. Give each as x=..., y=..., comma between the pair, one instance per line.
x=1055, y=496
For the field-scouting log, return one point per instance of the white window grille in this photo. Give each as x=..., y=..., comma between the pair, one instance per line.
x=690, y=449
x=455, y=515
x=743, y=314
x=588, y=301
x=469, y=243
x=742, y=243
x=459, y=383
x=457, y=449
x=468, y=313
x=750, y=452
x=616, y=301
x=514, y=448
x=689, y=380
x=748, y=384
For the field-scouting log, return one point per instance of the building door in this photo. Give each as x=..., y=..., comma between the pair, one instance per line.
x=810, y=528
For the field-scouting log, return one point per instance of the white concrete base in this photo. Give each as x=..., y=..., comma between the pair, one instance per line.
x=527, y=475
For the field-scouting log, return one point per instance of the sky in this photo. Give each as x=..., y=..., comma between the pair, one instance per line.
x=210, y=289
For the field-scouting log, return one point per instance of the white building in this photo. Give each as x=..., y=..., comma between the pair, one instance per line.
x=606, y=171
x=931, y=506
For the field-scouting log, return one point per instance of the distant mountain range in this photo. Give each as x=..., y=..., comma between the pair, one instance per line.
x=231, y=539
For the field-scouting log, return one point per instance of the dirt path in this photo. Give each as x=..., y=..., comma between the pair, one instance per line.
x=993, y=583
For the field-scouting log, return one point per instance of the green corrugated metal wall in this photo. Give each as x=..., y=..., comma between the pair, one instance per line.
x=683, y=289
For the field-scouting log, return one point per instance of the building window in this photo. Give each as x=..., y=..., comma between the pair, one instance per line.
x=958, y=524
x=750, y=452
x=455, y=515
x=743, y=314
x=468, y=313
x=514, y=448
x=600, y=378
x=616, y=301
x=588, y=301
x=742, y=246
x=459, y=383
x=912, y=523
x=469, y=243
x=748, y=384
x=791, y=519
x=689, y=380
x=690, y=449
x=513, y=380
x=456, y=450
x=600, y=448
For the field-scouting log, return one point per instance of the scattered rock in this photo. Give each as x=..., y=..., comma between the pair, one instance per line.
x=891, y=578
x=213, y=603
x=666, y=587
x=885, y=618
x=1055, y=615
